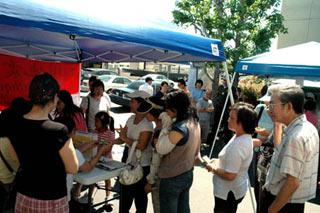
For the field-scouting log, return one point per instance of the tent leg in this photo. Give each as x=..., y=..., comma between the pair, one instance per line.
x=224, y=108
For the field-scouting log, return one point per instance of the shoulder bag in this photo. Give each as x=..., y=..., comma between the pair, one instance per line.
x=132, y=173
x=10, y=189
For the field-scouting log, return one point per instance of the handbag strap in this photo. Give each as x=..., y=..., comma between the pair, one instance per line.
x=6, y=163
x=258, y=118
x=132, y=151
x=87, y=111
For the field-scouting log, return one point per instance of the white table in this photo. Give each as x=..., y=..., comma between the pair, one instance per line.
x=96, y=175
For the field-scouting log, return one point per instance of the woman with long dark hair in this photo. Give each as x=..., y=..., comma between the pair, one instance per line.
x=67, y=110
x=44, y=150
x=180, y=145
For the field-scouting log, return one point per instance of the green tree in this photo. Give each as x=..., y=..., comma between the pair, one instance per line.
x=246, y=27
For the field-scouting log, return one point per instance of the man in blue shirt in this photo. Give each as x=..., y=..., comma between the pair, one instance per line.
x=197, y=93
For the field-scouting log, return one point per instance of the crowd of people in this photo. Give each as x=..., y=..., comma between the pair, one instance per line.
x=165, y=132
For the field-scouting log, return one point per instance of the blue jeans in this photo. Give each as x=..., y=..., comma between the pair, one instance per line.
x=174, y=193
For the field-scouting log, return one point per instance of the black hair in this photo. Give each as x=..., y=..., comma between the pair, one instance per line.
x=43, y=89
x=158, y=101
x=148, y=79
x=180, y=103
x=164, y=82
x=199, y=81
x=310, y=105
x=264, y=90
x=92, y=78
x=70, y=108
x=181, y=81
x=98, y=83
x=19, y=106
x=106, y=120
x=67, y=121
x=139, y=100
x=246, y=116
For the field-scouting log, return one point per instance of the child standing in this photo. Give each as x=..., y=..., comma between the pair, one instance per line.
x=105, y=129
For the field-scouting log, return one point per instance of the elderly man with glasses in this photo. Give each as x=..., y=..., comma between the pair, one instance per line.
x=292, y=178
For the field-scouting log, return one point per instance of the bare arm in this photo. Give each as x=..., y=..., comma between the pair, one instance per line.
x=89, y=165
x=175, y=137
x=87, y=146
x=212, y=167
x=69, y=158
x=288, y=188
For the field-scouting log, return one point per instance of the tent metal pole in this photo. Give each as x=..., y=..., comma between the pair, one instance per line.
x=224, y=108
x=225, y=68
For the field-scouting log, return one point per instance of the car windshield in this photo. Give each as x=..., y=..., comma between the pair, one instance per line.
x=105, y=78
x=135, y=85
x=104, y=73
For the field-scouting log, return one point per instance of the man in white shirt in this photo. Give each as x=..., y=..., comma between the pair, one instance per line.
x=292, y=178
x=147, y=86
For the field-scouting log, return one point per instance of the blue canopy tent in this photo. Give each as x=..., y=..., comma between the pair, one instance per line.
x=300, y=61
x=36, y=30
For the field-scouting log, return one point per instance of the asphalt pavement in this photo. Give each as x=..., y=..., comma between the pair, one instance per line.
x=201, y=194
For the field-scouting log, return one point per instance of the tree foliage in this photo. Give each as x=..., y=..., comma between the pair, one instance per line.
x=246, y=27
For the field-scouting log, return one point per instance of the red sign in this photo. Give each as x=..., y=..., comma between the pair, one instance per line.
x=16, y=74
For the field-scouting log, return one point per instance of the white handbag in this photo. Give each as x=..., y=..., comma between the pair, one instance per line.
x=132, y=173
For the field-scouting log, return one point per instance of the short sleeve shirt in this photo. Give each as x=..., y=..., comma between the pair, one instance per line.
x=298, y=156
x=37, y=144
x=95, y=106
x=235, y=157
x=147, y=88
x=196, y=94
x=133, y=133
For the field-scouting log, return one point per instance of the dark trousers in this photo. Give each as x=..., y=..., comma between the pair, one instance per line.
x=226, y=206
x=136, y=193
x=267, y=198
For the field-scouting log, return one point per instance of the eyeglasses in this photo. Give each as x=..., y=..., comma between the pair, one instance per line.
x=271, y=105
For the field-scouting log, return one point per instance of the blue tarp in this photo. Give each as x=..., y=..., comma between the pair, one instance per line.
x=36, y=30
x=296, y=61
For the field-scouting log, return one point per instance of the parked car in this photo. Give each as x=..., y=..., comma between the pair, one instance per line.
x=118, y=96
x=110, y=82
x=158, y=77
x=86, y=73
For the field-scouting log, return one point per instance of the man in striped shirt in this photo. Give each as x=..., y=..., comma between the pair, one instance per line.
x=292, y=178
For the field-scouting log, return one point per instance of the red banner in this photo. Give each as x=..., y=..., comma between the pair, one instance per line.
x=16, y=74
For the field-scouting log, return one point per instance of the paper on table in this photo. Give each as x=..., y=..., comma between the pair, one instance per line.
x=109, y=164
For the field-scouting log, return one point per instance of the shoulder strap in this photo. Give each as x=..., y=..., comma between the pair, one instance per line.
x=87, y=111
x=259, y=116
x=260, y=112
x=132, y=150
x=6, y=163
